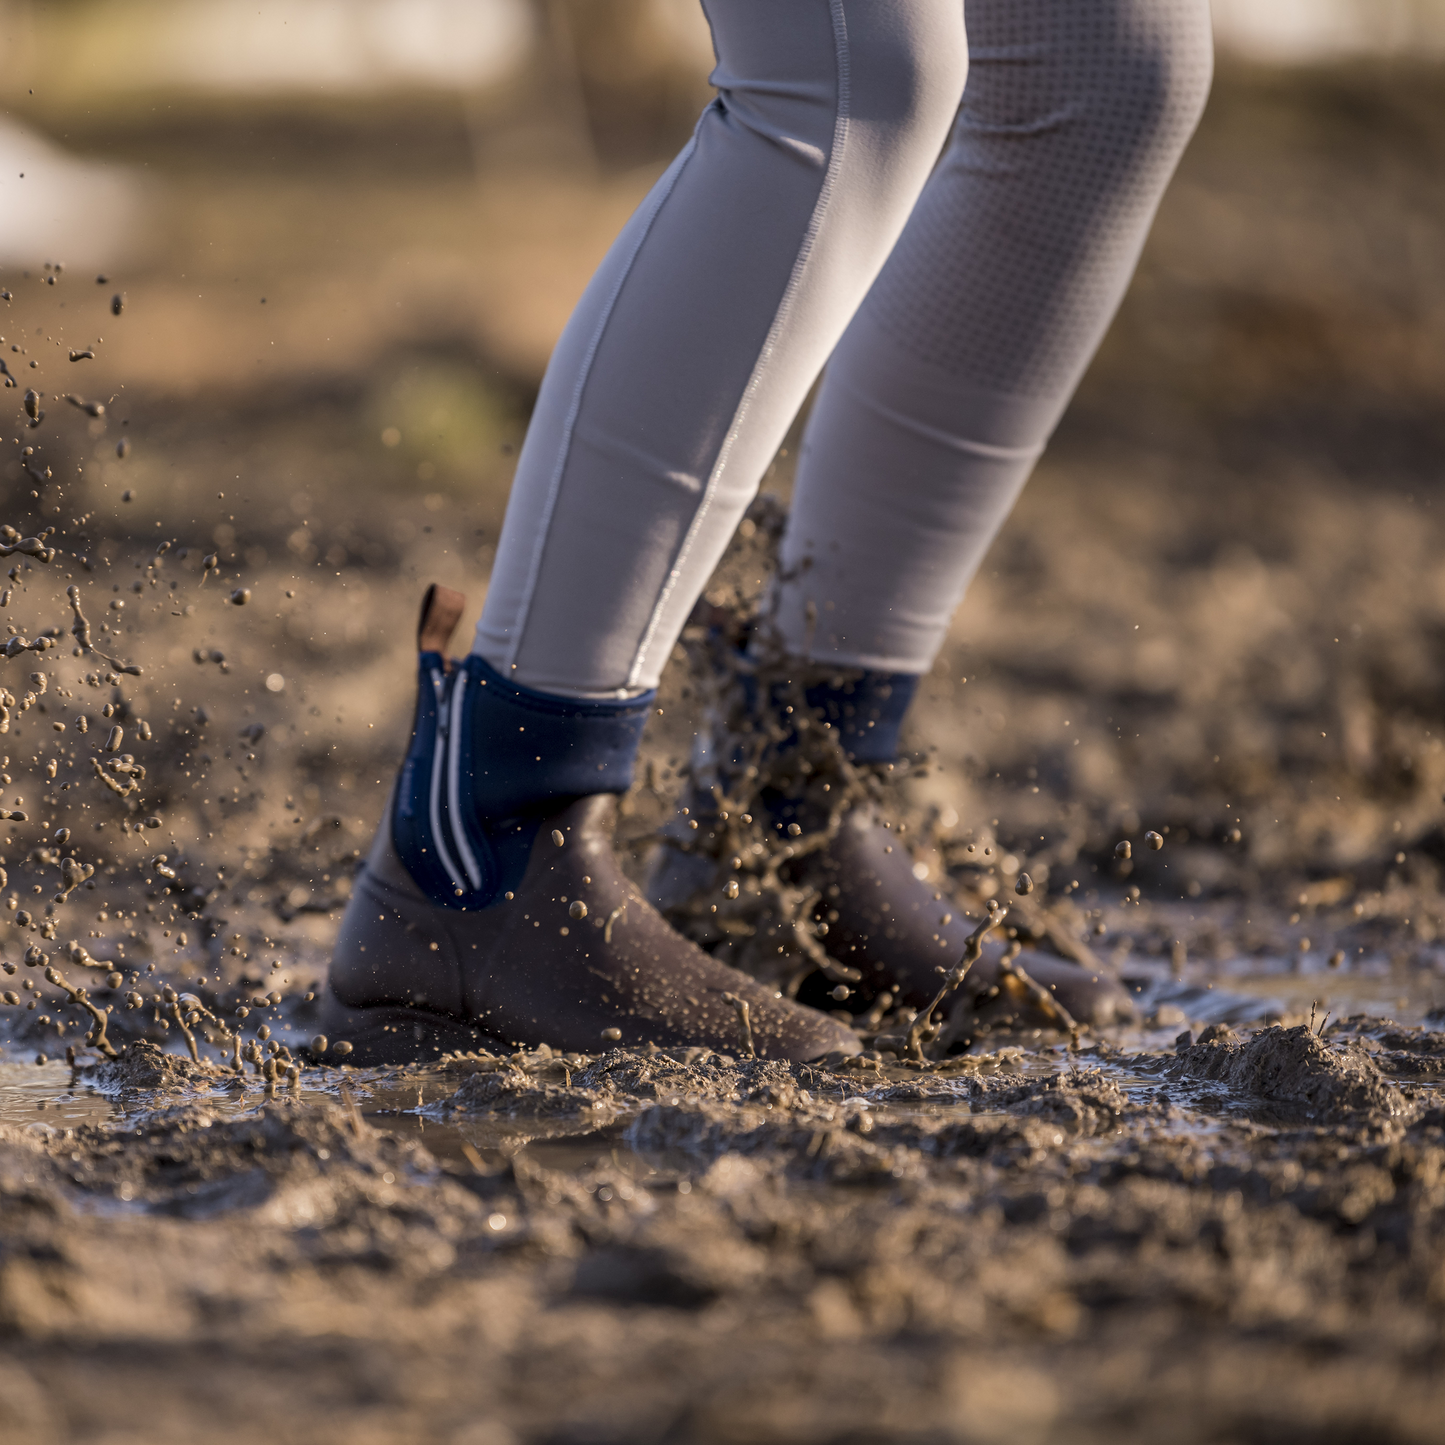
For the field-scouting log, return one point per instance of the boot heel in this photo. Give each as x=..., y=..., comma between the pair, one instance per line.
x=393, y=1034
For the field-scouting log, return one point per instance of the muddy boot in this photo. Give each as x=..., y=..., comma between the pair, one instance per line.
x=893, y=927
x=492, y=908
x=881, y=920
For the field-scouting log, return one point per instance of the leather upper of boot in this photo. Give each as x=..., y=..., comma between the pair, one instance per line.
x=529, y=969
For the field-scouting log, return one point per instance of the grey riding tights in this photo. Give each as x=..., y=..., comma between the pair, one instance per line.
x=811, y=217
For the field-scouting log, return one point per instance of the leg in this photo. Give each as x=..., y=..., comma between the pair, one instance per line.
x=945, y=387
x=491, y=900
x=702, y=332
x=960, y=362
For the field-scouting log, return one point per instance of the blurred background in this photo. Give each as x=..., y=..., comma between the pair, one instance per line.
x=347, y=233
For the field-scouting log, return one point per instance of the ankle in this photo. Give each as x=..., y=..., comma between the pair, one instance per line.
x=533, y=750
x=865, y=708
x=489, y=761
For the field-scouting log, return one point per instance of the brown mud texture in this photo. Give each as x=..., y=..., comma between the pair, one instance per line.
x=1214, y=619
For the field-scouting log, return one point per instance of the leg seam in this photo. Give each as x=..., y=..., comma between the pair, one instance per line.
x=554, y=486
x=986, y=451
x=784, y=314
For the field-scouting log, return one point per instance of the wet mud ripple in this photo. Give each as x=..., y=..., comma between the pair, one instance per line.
x=742, y=1250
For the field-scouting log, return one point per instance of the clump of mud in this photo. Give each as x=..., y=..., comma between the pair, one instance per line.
x=1291, y=1067
x=143, y=1066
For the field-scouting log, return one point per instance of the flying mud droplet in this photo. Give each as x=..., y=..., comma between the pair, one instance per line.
x=1154, y=840
x=117, y=303
x=86, y=355
x=557, y=837
x=731, y=890
x=90, y=408
x=127, y=496
x=114, y=739
x=341, y=1049
x=612, y=1036
x=32, y=404
x=577, y=910
x=1023, y=885
x=240, y=597
x=1123, y=850
x=319, y=1044
x=122, y=448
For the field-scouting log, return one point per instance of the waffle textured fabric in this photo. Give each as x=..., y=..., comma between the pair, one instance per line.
x=958, y=250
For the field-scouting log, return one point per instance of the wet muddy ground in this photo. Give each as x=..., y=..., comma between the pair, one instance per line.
x=1215, y=615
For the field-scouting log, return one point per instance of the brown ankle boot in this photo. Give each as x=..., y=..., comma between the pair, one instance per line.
x=887, y=923
x=576, y=958
x=542, y=938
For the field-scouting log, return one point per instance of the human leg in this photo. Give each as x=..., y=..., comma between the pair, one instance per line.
x=702, y=332
x=664, y=402
x=947, y=383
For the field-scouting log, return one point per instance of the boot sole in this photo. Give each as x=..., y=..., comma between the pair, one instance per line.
x=395, y=1034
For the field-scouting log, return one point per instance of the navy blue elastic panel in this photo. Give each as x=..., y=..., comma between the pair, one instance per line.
x=488, y=761
x=868, y=712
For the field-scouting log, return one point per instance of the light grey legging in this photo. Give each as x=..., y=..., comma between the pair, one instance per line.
x=806, y=218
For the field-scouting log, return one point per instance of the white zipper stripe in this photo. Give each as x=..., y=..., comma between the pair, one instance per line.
x=454, y=747
x=437, y=764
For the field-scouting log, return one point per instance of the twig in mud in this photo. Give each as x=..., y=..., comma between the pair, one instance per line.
x=972, y=948
x=745, y=1023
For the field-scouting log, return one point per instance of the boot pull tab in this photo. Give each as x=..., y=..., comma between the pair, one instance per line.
x=441, y=610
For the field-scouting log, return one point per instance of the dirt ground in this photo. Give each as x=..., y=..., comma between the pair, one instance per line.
x=1217, y=614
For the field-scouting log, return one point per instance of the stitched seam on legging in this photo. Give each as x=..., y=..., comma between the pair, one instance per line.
x=985, y=450
x=564, y=451
x=785, y=307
